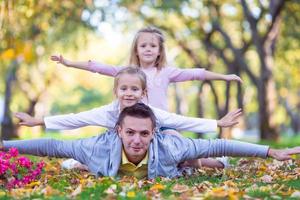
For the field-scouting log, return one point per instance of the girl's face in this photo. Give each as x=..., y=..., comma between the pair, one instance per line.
x=147, y=48
x=129, y=90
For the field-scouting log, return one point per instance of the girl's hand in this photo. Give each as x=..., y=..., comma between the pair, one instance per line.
x=233, y=77
x=27, y=120
x=59, y=59
x=230, y=119
x=283, y=154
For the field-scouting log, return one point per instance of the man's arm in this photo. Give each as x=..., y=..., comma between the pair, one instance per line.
x=50, y=147
x=188, y=149
x=199, y=148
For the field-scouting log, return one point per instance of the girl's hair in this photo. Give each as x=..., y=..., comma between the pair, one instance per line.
x=132, y=71
x=161, y=59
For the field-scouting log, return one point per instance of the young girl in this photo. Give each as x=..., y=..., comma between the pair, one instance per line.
x=129, y=87
x=148, y=53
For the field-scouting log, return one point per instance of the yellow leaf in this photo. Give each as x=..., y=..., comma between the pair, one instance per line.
x=9, y=54
x=131, y=194
x=157, y=186
x=32, y=184
x=262, y=168
x=28, y=52
x=219, y=192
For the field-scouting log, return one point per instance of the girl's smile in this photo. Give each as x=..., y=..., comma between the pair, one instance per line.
x=129, y=90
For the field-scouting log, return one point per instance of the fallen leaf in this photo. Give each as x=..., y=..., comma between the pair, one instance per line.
x=77, y=191
x=179, y=188
x=157, y=186
x=266, y=179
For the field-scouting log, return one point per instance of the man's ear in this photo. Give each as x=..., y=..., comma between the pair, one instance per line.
x=119, y=128
x=153, y=133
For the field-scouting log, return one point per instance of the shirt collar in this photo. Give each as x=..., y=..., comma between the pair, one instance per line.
x=125, y=160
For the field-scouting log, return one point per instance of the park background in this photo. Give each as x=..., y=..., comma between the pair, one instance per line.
x=257, y=40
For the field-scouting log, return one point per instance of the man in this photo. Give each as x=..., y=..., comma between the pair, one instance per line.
x=135, y=148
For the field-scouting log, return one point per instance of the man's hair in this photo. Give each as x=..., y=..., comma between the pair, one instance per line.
x=138, y=110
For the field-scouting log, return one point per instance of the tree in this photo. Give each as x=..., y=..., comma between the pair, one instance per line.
x=28, y=29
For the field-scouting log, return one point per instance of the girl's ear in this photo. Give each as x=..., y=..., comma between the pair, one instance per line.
x=144, y=93
x=115, y=92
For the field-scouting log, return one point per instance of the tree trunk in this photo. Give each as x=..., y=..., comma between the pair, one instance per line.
x=8, y=130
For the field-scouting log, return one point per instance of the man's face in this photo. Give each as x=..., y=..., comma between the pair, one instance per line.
x=136, y=135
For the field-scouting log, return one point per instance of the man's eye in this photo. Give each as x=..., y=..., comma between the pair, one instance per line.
x=130, y=132
x=144, y=134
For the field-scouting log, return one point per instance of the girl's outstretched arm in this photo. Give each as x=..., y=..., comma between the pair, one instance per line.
x=216, y=76
x=91, y=66
x=179, y=75
x=230, y=119
x=183, y=123
x=61, y=60
x=27, y=120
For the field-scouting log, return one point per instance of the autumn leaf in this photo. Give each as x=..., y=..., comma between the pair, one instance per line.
x=180, y=188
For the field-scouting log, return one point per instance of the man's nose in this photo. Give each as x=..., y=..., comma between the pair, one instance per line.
x=137, y=139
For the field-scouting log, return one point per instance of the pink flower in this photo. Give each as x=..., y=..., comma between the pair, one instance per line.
x=40, y=165
x=24, y=162
x=18, y=171
x=13, y=152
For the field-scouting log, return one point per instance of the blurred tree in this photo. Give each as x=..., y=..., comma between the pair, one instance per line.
x=27, y=28
x=287, y=72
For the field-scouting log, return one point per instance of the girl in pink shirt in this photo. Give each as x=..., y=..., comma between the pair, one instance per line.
x=148, y=53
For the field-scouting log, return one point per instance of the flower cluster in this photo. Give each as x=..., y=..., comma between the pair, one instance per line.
x=17, y=171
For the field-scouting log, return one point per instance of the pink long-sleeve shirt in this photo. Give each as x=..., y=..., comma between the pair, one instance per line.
x=157, y=81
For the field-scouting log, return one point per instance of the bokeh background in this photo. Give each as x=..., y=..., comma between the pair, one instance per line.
x=258, y=40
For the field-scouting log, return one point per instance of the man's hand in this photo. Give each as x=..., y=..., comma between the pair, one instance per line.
x=233, y=77
x=27, y=120
x=283, y=154
x=230, y=119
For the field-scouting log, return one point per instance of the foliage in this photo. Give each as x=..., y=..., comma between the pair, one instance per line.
x=248, y=179
x=17, y=171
